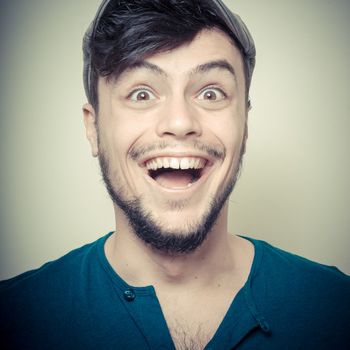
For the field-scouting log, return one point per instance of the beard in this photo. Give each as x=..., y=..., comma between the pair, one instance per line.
x=152, y=233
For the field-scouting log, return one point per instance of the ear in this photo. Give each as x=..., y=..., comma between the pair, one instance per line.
x=245, y=135
x=246, y=130
x=249, y=105
x=90, y=123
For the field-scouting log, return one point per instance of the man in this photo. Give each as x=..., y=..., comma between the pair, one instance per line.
x=167, y=84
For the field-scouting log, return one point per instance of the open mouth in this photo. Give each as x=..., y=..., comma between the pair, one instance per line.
x=176, y=172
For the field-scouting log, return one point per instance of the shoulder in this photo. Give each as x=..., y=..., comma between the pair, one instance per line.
x=287, y=274
x=299, y=271
x=51, y=283
x=296, y=283
x=64, y=266
x=300, y=297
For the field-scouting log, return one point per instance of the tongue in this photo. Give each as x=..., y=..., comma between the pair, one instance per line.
x=174, y=179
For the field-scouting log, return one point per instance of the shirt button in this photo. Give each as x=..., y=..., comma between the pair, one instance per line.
x=129, y=295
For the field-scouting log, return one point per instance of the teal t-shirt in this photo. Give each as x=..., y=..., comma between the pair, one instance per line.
x=80, y=302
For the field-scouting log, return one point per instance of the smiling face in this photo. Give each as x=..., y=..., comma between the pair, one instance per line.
x=170, y=138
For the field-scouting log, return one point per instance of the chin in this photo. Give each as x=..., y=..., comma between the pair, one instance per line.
x=181, y=227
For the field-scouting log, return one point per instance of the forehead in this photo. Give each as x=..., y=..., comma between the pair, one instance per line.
x=187, y=60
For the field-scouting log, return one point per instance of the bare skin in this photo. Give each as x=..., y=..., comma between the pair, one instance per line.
x=194, y=289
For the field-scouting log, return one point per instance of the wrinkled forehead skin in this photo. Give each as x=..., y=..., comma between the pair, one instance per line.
x=238, y=31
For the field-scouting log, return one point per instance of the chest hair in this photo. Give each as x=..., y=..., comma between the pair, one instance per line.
x=188, y=338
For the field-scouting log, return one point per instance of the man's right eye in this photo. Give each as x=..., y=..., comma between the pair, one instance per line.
x=140, y=95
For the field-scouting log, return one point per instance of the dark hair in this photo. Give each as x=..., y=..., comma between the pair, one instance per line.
x=130, y=30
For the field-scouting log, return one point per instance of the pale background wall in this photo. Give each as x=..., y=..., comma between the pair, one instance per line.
x=294, y=190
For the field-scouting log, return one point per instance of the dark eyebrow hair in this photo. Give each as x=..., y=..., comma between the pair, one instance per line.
x=147, y=65
x=219, y=64
x=202, y=68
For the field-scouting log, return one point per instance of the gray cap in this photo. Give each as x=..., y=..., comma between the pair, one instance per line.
x=239, y=31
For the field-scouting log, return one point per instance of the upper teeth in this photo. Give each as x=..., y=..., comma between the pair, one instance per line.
x=175, y=163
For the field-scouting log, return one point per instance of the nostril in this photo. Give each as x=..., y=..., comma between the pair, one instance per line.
x=191, y=133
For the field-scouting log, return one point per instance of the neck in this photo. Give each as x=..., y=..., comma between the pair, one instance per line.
x=140, y=265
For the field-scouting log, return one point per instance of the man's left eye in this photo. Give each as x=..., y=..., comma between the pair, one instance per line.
x=212, y=94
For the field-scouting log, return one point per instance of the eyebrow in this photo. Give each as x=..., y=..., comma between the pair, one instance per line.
x=219, y=64
x=146, y=65
x=202, y=68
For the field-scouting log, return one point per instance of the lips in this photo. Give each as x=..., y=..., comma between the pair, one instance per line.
x=176, y=172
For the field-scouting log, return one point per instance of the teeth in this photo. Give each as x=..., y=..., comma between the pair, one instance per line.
x=184, y=163
x=166, y=163
x=175, y=163
x=159, y=163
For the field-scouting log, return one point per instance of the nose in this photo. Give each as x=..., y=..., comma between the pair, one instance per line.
x=178, y=119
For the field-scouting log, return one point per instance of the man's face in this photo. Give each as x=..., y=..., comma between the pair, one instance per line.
x=170, y=136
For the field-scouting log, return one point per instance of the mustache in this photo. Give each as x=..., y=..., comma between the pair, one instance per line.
x=214, y=151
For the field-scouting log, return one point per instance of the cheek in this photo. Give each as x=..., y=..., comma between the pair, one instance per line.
x=229, y=132
x=120, y=132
